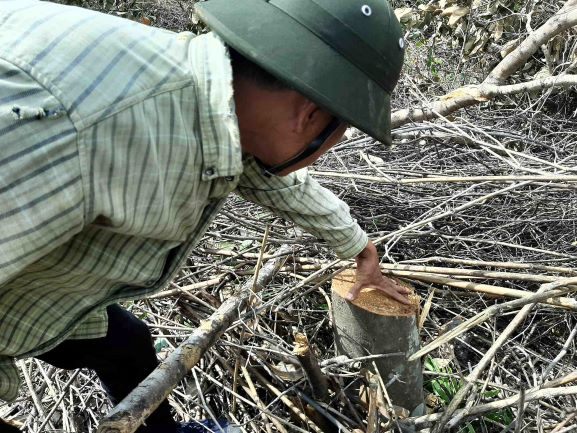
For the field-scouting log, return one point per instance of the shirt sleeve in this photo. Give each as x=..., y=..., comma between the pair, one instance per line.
x=304, y=201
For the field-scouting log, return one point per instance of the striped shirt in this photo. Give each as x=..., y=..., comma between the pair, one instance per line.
x=118, y=145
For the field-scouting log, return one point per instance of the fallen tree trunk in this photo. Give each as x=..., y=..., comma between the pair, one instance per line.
x=130, y=413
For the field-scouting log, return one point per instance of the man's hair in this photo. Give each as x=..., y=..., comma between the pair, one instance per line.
x=243, y=67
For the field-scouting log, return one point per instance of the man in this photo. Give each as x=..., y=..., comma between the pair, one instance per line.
x=119, y=143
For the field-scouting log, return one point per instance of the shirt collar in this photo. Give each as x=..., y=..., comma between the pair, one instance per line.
x=220, y=136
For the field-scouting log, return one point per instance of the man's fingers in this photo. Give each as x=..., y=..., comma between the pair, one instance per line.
x=400, y=288
x=397, y=292
x=354, y=292
x=403, y=299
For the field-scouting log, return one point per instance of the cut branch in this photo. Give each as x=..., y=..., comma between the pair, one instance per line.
x=496, y=405
x=467, y=96
x=131, y=412
x=316, y=378
x=474, y=375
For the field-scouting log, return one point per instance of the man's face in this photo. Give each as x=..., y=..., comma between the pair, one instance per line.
x=335, y=137
x=277, y=126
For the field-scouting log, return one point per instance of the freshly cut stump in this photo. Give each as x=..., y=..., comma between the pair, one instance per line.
x=377, y=324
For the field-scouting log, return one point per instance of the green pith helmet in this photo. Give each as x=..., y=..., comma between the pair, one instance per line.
x=345, y=55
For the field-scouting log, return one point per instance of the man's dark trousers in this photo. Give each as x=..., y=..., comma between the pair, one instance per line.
x=121, y=359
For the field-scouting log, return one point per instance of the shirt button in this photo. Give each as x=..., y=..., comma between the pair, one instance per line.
x=229, y=178
x=209, y=171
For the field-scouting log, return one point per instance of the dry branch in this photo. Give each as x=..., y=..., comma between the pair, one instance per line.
x=556, y=178
x=189, y=288
x=466, y=96
x=546, y=290
x=488, y=289
x=300, y=414
x=251, y=390
x=441, y=275
x=471, y=273
x=129, y=414
x=564, y=19
x=495, y=405
x=504, y=265
x=488, y=356
x=562, y=81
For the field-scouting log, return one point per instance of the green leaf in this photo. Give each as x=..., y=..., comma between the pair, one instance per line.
x=227, y=246
x=160, y=344
x=439, y=390
x=245, y=245
x=492, y=393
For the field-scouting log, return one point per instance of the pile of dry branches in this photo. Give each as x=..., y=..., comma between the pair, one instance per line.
x=478, y=211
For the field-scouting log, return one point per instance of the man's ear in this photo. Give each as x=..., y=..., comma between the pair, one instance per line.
x=309, y=117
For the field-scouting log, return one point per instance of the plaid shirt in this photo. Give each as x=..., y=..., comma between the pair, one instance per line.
x=118, y=145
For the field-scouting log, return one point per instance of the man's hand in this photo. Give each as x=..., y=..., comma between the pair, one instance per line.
x=369, y=276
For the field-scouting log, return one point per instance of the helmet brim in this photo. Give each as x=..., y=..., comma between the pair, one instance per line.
x=290, y=52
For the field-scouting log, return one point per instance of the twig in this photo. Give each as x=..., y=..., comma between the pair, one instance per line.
x=254, y=395
x=484, y=263
x=520, y=411
x=57, y=403
x=323, y=411
x=546, y=290
x=254, y=289
x=286, y=401
x=494, y=405
x=568, y=303
x=317, y=380
x=563, y=423
x=190, y=287
x=35, y=399
x=470, y=380
x=556, y=178
x=373, y=415
x=561, y=354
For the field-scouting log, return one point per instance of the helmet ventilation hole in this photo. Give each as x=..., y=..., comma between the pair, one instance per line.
x=366, y=10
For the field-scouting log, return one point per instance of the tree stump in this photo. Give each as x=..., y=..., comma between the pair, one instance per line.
x=376, y=324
